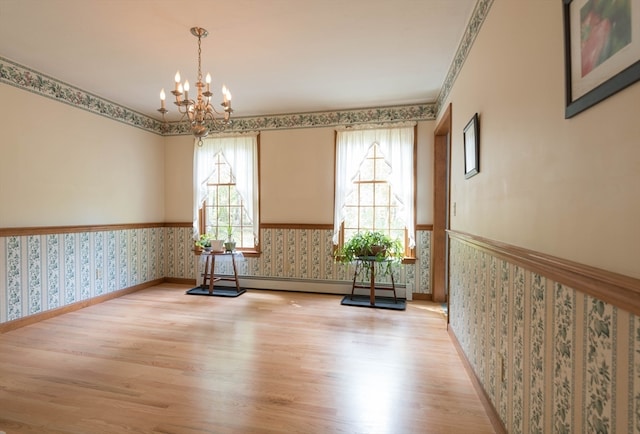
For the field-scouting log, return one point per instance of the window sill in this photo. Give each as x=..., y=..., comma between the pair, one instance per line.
x=246, y=253
x=250, y=253
x=257, y=253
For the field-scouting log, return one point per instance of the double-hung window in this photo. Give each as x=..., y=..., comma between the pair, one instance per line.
x=226, y=189
x=375, y=183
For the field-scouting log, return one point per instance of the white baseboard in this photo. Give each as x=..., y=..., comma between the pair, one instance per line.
x=317, y=286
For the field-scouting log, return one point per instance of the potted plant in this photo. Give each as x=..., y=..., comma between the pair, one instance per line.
x=230, y=244
x=203, y=243
x=208, y=243
x=217, y=243
x=375, y=247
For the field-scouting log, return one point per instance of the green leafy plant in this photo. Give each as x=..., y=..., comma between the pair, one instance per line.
x=374, y=246
x=204, y=241
x=209, y=242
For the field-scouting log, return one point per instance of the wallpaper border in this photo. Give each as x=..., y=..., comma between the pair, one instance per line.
x=478, y=16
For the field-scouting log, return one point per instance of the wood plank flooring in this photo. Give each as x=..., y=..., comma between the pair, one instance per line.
x=161, y=361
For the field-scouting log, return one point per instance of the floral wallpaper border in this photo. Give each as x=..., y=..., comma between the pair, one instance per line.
x=33, y=81
x=417, y=112
x=478, y=16
x=28, y=79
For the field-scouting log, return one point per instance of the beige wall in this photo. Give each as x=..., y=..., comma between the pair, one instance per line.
x=296, y=176
x=179, y=178
x=424, y=175
x=72, y=167
x=562, y=187
x=81, y=167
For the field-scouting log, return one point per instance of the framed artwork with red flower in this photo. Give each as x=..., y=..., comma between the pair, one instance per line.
x=602, y=50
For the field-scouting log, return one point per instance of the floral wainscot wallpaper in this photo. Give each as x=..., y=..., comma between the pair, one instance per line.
x=42, y=272
x=550, y=358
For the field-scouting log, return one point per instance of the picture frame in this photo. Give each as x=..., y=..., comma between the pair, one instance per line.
x=601, y=56
x=471, y=135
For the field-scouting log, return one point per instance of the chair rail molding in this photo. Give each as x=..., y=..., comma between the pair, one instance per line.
x=613, y=288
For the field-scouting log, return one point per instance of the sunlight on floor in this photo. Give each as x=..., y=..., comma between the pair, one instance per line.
x=374, y=399
x=431, y=307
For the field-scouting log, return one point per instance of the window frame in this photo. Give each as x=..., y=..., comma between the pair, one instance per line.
x=409, y=252
x=200, y=224
x=204, y=223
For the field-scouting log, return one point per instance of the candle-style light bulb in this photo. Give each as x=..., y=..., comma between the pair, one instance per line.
x=177, y=78
x=227, y=97
x=186, y=89
x=208, y=80
x=225, y=91
x=162, y=98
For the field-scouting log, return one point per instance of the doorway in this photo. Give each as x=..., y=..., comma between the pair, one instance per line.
x=441, y=185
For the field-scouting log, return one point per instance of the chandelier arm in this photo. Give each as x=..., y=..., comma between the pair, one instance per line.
x=183, y=106
x=213, y=110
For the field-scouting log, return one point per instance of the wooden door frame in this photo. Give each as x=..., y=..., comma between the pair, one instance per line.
x=441, y=184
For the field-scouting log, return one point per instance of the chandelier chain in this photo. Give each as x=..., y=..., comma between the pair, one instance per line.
x=199, y=59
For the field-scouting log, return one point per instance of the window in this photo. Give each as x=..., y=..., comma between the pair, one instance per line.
x=223, y=209
x=375, y=184
x=371, y=204
x=226, y=185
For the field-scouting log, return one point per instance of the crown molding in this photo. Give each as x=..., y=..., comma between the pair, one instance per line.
x=36, y=82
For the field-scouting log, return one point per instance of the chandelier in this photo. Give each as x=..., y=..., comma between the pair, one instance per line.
x=199, y=113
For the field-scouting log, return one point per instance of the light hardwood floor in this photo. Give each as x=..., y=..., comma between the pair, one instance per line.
x=161, y=361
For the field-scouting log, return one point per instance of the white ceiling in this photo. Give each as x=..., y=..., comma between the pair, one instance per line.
x=276, y=56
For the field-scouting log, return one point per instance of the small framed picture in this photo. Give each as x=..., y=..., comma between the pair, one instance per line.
x=471, y=135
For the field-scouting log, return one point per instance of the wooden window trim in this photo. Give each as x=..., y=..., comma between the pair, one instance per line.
x=409, y=253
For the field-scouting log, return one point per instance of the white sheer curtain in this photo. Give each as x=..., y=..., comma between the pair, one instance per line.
x=396, y=145
x=241, y=152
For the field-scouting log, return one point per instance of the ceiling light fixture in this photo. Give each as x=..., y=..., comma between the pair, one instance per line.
x=199, y=112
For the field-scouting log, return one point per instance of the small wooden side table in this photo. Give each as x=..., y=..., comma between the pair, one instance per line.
x=209, y=277
x=372, y=284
